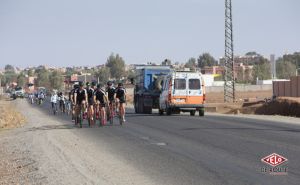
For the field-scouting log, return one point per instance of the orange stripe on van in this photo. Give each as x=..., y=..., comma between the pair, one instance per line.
x=187, y=100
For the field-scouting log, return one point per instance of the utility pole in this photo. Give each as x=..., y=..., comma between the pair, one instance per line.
x=229, y=84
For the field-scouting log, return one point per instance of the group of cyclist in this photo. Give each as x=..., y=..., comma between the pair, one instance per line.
x=93, y=102
x=58, y=98
x=37, y=97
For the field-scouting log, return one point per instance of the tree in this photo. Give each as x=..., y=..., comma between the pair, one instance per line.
x=43, y=78
x=293, y=58
x=285, y=68
x=116, y=65
x=166, y=62
x=21, y=80
x=248, y=75
x=56, y=80
x=262, y=70
x=103, y=75
x=30, y=72
x=131, y=75
x=206, y=60
x=252, y=53
x=191, y=63
x=2, y=80
x=9, y=68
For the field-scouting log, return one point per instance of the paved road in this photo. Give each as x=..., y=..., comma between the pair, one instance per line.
x=215, y=149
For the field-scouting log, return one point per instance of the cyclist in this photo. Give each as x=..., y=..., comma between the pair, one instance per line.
x=71, y=98
x=111, y=93
x=41, y=97
x=100, y=98
x=53, y=100
x=121, y=96
x=90, y=95
x=61, y=98
x=31, y=96
x=80, y=99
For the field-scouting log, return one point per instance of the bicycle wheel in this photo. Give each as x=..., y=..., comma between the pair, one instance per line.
x=121, y=120
x=80, y=119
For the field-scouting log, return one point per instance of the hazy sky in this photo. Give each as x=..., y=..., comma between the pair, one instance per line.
x=86, y=32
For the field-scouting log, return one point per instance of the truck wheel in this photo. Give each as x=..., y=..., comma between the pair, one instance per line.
x=147, y=110
x=169, y=111
x=161, y=112
x=192, y=113
x=201, y=112
x=136, y=110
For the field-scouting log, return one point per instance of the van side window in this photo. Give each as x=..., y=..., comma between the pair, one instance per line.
x=194, y=84
x=180, y=84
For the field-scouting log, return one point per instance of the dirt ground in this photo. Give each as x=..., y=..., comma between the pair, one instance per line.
x=285, y=106
x=47, y=150
x=9, y=117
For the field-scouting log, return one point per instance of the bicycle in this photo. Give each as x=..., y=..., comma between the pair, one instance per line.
x=79, y=115
x=111, y=112
x=68, y=107
x=54, y=108
x=121, y=113
x=62, y=106
x=100, y=111
x=90, y=116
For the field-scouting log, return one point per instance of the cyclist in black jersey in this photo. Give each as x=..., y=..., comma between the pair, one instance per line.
x=121, y=97
x=111, y=94
x=72, y=100
x=81, y=98
x=101, y=99
x=90, y=94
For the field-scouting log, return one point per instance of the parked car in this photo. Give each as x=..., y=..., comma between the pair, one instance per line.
x=182, y=92
x=17, y=92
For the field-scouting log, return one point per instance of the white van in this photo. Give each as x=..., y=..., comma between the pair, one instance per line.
x=182, y=92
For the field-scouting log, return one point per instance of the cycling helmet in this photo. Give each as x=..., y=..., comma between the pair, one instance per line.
x=99, y=86
x=80, y=84
x=87, y=84
x=109, y=83
x=93, y=84
x=120, y=84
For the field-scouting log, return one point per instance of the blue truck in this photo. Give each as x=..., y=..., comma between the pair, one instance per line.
x=148, y=87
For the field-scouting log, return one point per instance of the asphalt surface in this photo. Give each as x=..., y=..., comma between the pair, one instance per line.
x=214, y=149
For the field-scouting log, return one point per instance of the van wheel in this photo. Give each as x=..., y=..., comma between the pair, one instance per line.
x=201, y=112
x=169, y=111
x=161, y=112
x=192, y=113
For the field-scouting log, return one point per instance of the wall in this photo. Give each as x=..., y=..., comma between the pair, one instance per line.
x=288, y=88
x=241, y=88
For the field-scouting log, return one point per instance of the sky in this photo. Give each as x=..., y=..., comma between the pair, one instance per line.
x=85, y=32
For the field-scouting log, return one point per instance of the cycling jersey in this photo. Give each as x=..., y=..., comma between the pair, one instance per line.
x=120, y=94
x=100, y=94
x=54, y=98
x=111, y=93
x=90, y=93
x=81, y=95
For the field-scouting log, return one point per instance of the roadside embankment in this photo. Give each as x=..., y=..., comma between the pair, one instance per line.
x=284, y=106
x=9, y=116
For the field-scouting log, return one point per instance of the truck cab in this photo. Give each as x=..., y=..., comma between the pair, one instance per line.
x=182, y=92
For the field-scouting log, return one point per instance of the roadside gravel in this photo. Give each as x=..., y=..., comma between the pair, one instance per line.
x=49, y=151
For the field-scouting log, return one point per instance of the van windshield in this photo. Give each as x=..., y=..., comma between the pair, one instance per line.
x=194, y=84
x=179, y=84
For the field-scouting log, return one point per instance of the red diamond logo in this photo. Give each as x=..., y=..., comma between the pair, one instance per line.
x=274, y=159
